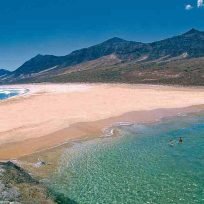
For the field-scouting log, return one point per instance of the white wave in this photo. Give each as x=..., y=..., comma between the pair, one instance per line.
x=109, y=131
x=12, y=91
x=5, y=92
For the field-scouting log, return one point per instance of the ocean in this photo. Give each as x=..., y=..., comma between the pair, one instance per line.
x=6, y=93
x=139, y=166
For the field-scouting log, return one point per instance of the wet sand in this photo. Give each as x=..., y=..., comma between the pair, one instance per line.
x=51, y=114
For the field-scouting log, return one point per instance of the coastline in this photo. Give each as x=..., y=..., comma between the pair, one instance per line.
x=104, y=129
x=80, y=128
x=89, y=130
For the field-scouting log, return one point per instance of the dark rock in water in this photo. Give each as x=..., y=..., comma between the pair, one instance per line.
x=62, y=199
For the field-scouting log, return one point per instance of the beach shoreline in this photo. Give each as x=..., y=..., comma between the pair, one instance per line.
x=91, y=112
x=107, y=129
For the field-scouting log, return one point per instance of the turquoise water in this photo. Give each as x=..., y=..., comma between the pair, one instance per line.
x=7, y=93
x=138, y=166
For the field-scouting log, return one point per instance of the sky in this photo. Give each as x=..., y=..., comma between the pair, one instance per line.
x=31, y=27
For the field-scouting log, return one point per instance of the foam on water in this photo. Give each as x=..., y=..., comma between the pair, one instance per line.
x=139, y=166
x=6, y=93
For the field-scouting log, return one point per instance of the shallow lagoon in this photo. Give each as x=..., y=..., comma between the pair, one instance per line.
x=139, y=166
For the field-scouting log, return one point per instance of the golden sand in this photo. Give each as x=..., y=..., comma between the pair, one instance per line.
x=52, y=114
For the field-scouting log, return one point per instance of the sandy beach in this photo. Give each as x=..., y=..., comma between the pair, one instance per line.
x=52, y=114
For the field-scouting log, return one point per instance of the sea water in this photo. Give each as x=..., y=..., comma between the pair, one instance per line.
x=6, y=93
x=140, y=166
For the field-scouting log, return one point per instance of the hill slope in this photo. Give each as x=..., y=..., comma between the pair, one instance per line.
x=4, y=72
x=176, y=60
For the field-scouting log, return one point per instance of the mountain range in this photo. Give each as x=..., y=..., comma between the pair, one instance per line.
x=4, y=72
x=176, y=60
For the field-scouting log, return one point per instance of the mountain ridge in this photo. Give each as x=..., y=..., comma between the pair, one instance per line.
x=188, y=45
x=4, y=72
x=112, y=41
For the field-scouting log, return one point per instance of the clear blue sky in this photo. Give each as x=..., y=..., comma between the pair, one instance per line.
x=30, y=27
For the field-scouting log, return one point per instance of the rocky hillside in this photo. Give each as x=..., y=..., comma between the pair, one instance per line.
x=118, y=60
x=16, y=185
